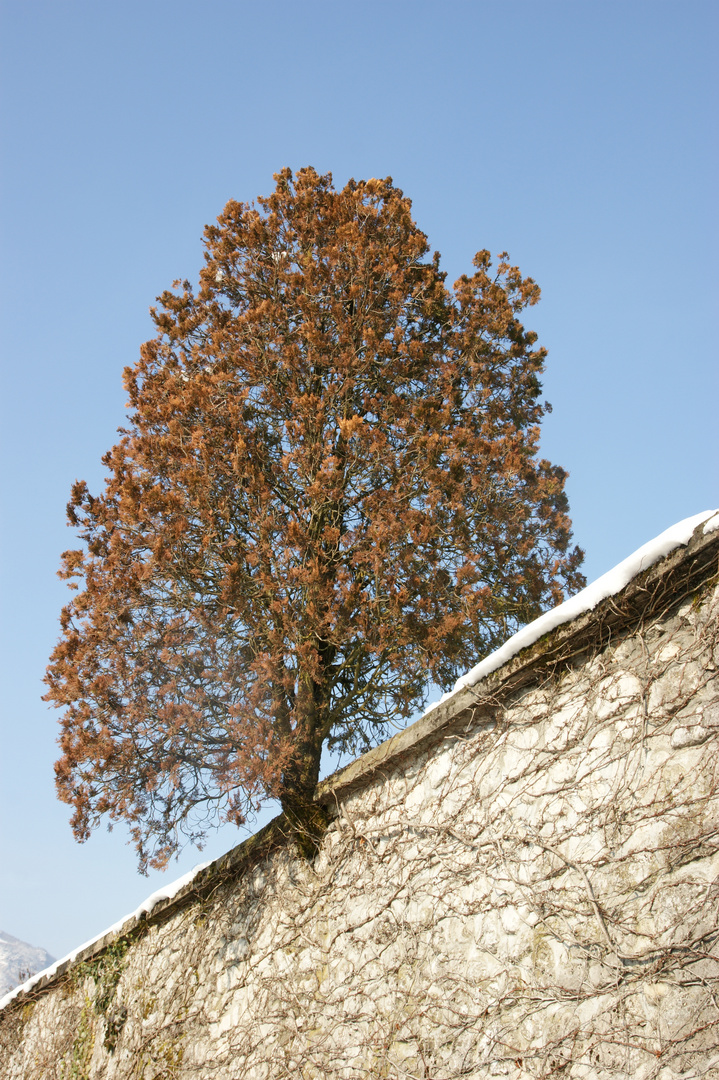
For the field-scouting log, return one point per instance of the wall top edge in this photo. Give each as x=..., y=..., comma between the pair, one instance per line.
x=546, y=640
x=691, y=558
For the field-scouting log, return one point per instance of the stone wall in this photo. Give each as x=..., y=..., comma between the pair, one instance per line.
x=523, y=884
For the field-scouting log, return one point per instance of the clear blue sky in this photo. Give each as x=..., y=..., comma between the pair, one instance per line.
x=580, y=136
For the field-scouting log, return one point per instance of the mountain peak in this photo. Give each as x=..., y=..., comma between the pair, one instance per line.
x=19, y=960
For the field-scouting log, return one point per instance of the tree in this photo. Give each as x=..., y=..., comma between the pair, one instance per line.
x=328, y=496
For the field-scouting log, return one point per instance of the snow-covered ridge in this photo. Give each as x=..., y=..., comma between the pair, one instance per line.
x=18, y=956
x=607, y=585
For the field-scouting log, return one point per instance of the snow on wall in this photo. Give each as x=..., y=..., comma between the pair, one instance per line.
x=534, y=894
x=608, y=584
x=165, y=892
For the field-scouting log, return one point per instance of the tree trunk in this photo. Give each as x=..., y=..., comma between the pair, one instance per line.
x=307, y=819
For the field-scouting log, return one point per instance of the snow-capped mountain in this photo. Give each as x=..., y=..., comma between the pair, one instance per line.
x=18, y=961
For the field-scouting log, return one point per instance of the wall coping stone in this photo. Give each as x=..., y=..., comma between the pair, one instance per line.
x=645, y=597
x=651, y=593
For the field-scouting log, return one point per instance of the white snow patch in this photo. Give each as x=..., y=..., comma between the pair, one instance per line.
x=607, y=585
x=166, y=892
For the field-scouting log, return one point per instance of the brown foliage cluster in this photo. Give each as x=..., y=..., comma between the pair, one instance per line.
x=533, y=897
x=328, y=496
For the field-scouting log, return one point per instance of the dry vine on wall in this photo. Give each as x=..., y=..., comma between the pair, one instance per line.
x=534, y=897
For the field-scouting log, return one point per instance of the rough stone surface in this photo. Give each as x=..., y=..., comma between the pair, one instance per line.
x=533, y=894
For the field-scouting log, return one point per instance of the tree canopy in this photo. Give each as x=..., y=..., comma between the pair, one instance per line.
x=328, y=496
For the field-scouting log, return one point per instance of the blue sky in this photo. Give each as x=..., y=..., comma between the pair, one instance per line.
x=579, y=136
